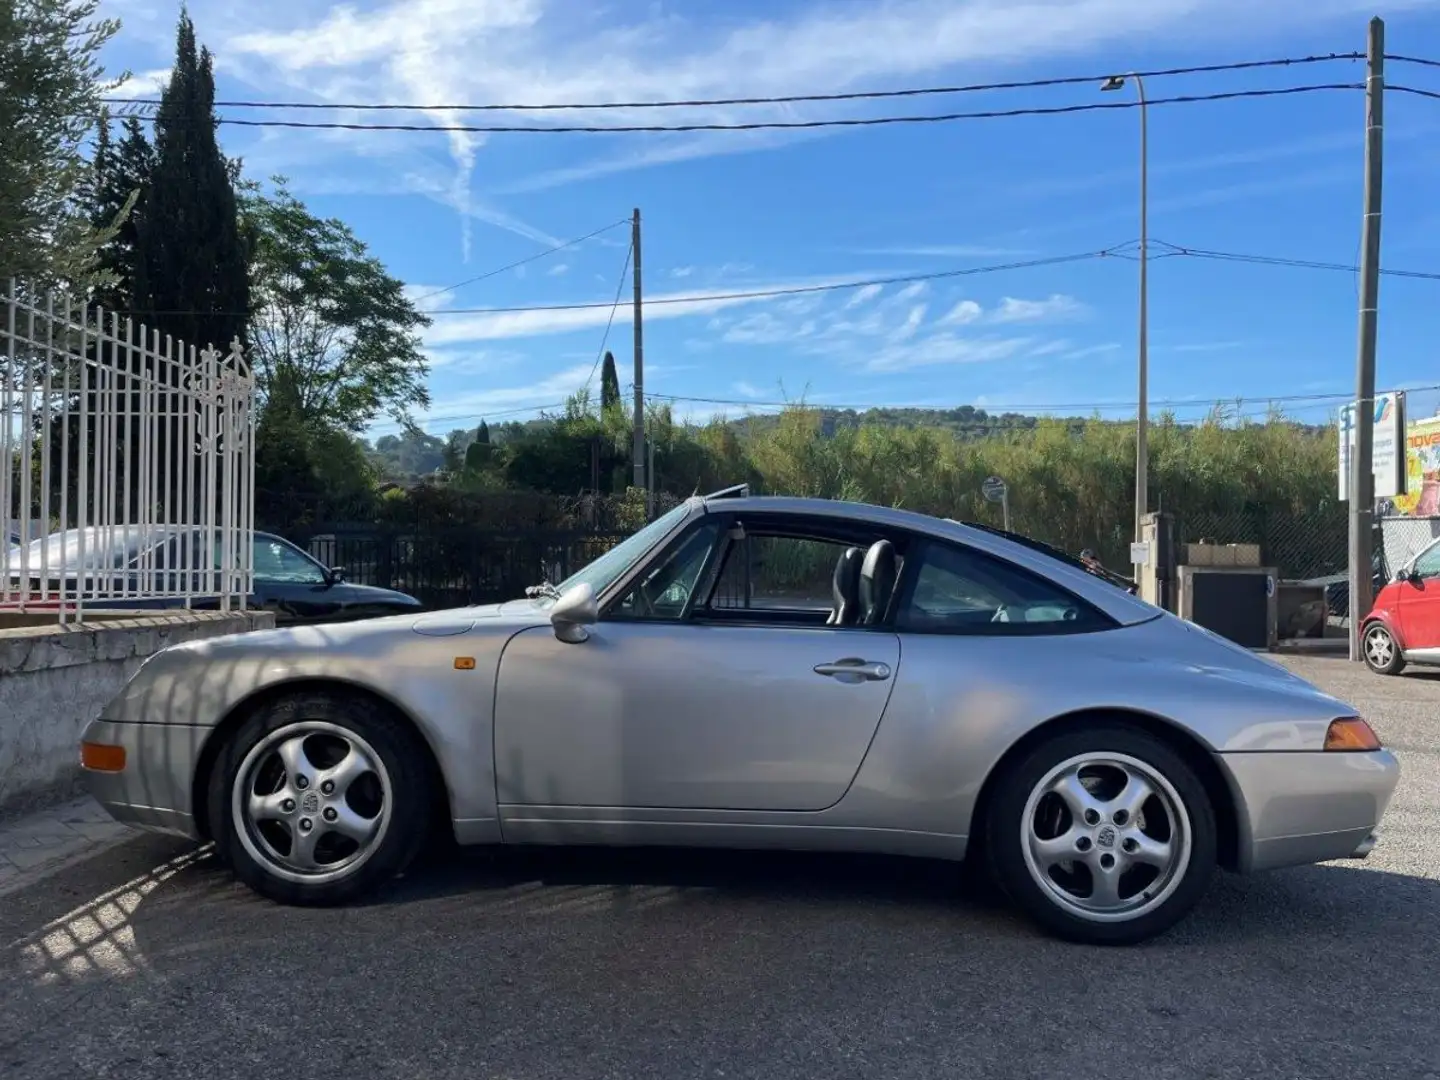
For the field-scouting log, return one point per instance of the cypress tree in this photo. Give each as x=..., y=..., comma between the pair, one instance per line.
x=609, y=384
x=482, y=433
x=192, y=272
x=120, y=176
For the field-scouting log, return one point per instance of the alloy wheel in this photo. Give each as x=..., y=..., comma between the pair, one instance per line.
x=312, y=802
x=1106, y=837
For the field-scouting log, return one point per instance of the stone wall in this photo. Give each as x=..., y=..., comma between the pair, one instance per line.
x=55, y=679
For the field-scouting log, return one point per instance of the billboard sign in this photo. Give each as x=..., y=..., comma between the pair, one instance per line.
x=1421, y=497
x=1389, y=450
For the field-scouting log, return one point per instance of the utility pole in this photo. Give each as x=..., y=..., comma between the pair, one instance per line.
x=1142, y=418
x=639, y=448
x=1362, y=459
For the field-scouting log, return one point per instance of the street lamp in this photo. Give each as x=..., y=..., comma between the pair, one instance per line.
x=1142, y=448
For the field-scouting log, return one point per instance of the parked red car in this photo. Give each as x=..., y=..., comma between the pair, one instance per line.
x=1404, y=625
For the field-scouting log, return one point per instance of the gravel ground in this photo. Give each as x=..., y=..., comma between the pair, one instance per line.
x=536, y=965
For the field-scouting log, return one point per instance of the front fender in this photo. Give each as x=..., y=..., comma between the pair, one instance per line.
x=1389, y=618
x=198, y=689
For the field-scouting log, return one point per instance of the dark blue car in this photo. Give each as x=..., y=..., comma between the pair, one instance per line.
x=148, y=568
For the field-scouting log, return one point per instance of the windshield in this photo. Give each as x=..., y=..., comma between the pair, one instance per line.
x=604, y=570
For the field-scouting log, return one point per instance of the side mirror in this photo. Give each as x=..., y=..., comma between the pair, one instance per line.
x=336, y=574
x=576, y=609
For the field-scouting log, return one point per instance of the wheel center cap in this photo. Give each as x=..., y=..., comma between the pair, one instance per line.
x=1105, y=838
x=310, y=802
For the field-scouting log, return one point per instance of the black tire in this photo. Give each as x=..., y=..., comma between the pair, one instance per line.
x=1007, y=832
x=325, y=717
x=1396, y=659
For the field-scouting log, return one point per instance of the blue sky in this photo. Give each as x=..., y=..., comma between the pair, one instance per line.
x=740, y=211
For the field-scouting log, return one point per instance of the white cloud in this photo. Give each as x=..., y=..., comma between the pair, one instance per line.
x=946, y=348
x=766, y=328
x=145, y=83
x=499, y=325
x=1055, y=306
x=682, y=271
x=943, y=251
x=455, y=51
x=558, y=269
x=863, y=295
x=749, y=390
x=966, y=311
x=549, y=391
x=911, y=326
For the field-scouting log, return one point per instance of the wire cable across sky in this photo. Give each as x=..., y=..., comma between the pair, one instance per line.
x=521, y=262
x=792, y=125
x=788, y=99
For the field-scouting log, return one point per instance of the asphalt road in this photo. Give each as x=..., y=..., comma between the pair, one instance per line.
x=630, y=965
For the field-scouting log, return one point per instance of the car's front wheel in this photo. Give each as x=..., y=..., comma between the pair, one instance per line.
x=318, y=798
x=1104, y=836
x=1382, y=654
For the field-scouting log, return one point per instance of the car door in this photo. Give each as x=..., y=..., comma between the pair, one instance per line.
x=1419, y=603
x=714, y=684
x=290, y=583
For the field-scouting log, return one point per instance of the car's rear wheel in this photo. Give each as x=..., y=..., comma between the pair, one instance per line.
x=1104, y=836
x=320, y=798
x=1382, y=654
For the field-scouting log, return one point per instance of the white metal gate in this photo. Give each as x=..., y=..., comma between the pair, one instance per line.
x=126, y=463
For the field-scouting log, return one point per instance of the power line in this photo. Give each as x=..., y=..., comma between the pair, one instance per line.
x=992, y=410
x=790, y=125
x=1275, y=260
x=1118, y=251
x=490, y=415
x=756, y=294
x=1413, y=90
x=790, y=99
x=604, y=338
x=1422, y=61
x=522, y=262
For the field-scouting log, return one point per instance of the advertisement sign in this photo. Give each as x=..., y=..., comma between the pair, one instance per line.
x=1421, y=497
x=1389, y=454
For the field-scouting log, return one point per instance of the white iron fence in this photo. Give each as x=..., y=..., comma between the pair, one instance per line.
x=126, y=464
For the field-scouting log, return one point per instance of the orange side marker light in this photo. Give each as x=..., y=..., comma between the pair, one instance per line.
x=464, y=663
x=101, y=757
x=1351, y=733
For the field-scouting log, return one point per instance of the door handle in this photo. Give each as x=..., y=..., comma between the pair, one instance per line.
x=869, y=670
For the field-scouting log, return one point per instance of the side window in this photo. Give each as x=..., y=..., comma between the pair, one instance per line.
x=961, y=591
x=277, y=561
x=1428, y=565
x=777, y=573
x=664, y=591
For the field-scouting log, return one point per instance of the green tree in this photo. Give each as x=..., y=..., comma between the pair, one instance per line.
x=191, y=265
x=332, y=327
x=51, y=83
x=482, y=433
x=609, y=384
x=120, y=177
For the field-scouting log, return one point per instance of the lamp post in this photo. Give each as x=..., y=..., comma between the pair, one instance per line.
x=1142, y=447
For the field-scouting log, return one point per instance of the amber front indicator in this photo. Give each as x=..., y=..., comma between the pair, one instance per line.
x=101, y=757
x=1351, y=733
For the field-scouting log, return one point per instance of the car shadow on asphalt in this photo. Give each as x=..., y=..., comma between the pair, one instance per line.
x=1383, y=920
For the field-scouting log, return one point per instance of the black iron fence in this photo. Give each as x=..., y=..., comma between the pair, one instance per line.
x=490, y=548
x=453, y=566
x=450, y=550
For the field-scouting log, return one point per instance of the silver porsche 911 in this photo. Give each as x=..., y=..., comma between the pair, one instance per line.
x=759, y=672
